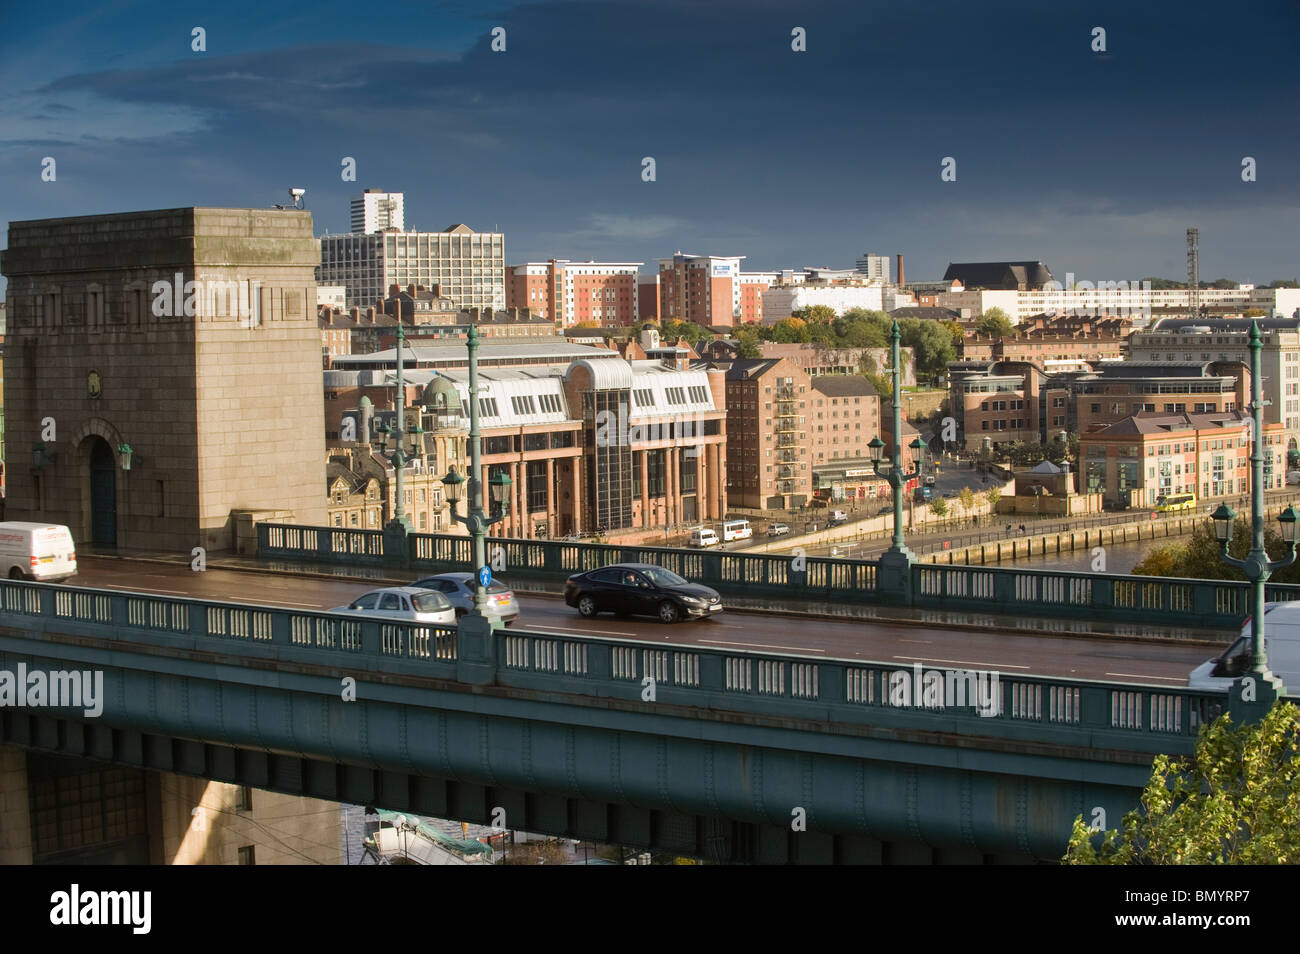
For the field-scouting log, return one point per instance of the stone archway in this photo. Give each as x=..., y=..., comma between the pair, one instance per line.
x=101, y=488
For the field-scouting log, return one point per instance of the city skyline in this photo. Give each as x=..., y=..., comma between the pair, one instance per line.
x=789, y=158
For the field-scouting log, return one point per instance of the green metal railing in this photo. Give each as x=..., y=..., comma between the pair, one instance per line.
x=817, y=691
x=993, y=589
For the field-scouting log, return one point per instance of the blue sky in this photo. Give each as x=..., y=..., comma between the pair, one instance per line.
x=1094, y=163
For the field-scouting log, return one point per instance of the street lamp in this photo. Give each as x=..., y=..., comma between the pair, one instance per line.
x=1256, y=566
x=476, y=521
x=894, y=568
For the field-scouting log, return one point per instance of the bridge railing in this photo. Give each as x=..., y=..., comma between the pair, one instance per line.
x=1166, y=601
x=804, y=690
x=730, y=573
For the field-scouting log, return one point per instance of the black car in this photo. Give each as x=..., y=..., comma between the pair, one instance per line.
x=640, y=589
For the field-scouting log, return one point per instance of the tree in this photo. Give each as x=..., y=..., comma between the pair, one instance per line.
x=931, y=343
x=1283, y=283
x=1198, y=558
x=1232, y=802
x=823, y=333
x=1255, y=313
x=747, y=344
x=995, y=322
x=957, y=332
x=816, y=313
x=939, y=506
x=966, y=497
x=993, y=495
x=790, y=330
x=1223, y=283
x=1163, y=284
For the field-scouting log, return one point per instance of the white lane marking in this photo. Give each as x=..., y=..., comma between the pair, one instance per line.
x=282, y=603
x=926, y=641
x=960, y=662
x=581, y=632
x=136, y=589
x=796, y=649
x=1135, y=675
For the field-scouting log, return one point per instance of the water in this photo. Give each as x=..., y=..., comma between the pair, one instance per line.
x=1120, y=557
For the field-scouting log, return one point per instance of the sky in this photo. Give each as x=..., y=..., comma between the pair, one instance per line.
x=1095, y=162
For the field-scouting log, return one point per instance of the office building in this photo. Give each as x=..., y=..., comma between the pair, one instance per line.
x=570, y=293
x=376, y=210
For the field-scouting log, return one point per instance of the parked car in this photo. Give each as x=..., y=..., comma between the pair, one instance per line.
x=37, y=551
x=459, y=589
x=929, y=481
x=838, y=517
x=777, y=530
x=1281, y=644
x=640, y=589
x=403, y=602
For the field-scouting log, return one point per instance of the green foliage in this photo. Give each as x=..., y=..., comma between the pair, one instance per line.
x=993, y=495
x=957, y=332
x=966, y=497
x=672, y=330
x=747, y=342
x=1283, y=283
x=939, y=506
x=931, y=342
x=1223, y=283
x=997, y=323
x=813, y=313
x=1163, y=284
x=1198, y=558
x=1235, y=801
x=1025, y=454
x=789, y=330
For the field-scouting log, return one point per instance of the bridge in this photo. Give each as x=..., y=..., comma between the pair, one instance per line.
x=725, y=753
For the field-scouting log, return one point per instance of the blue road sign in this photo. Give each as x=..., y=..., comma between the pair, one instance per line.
x=485, y=576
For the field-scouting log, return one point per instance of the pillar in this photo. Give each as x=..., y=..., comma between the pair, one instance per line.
x=645, y=488
x=525, y=519
x=670, y=485
x=701, y=507
x=577, y=494
x=551, y=523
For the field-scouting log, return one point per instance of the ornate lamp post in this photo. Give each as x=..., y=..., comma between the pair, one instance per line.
x=477, y=521
x=1256, y=691
x=894, y=568
x=396, y=551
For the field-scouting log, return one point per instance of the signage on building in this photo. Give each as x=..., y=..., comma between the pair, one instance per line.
x=721, y=270
x=864, y=472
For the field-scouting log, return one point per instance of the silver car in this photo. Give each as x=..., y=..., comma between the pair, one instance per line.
x=403, y=602
x=458, y=588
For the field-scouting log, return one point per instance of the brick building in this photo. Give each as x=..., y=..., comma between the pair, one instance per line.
x=570, y=293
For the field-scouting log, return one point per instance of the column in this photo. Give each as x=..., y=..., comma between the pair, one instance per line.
x=644, y=464
x=525, y=519
x=552, y=525
x=670, y=484
x=577, y=494
x=701, y=505
x=718, y=482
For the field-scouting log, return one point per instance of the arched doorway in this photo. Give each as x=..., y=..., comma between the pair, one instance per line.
x=103, y=494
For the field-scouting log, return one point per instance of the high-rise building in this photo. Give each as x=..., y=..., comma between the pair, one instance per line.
x=603, y=293
x=874, y=266
x=375, y=210
x=467, y=266
x=711, y=290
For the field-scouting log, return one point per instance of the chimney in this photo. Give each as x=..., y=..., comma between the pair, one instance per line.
x=900, y=270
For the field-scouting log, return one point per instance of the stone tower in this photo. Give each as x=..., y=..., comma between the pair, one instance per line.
x=162, y=373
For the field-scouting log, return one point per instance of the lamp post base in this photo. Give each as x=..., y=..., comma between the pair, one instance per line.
x=397, y=552
x=1253, y=695
x=894, y=575
x=476, y=659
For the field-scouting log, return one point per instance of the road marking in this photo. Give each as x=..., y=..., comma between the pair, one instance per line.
x=281, y=603
x=796, y=649
x=1134, y=675
x=960, y=662
x=584, y=632
x=916, y=640
x=136, y=589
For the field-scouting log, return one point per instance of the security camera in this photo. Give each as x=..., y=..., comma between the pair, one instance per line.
x=296, y=195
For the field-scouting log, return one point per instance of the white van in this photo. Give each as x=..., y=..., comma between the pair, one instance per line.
x=37, y=551
x=838, y=517
x=1281, y=644
x=736, y=530
x=704, y=537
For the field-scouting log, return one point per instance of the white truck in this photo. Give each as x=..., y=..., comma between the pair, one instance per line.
x=43, y=552
x=1281, y=643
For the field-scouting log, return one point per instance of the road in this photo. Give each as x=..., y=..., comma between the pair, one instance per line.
x=893, y=643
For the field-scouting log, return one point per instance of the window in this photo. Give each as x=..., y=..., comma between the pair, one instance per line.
x=644, y=397
x=244, y=799
x=488, y=407
x=247, y=855
x=523, y=404
x=676, y=396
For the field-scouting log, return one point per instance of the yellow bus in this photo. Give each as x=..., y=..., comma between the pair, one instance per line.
x=1164, y=503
